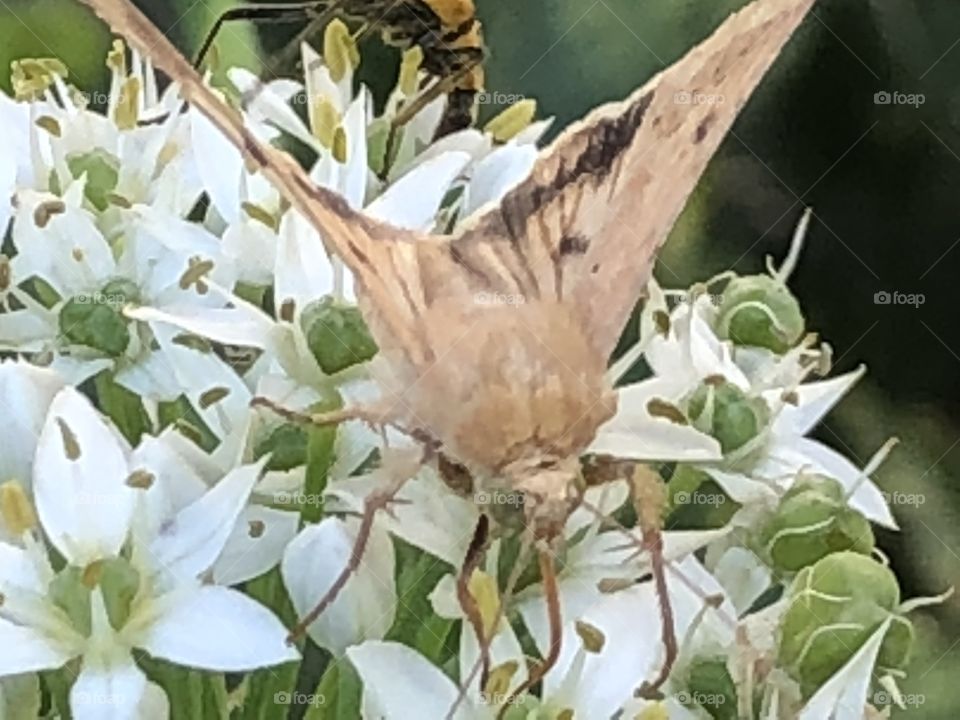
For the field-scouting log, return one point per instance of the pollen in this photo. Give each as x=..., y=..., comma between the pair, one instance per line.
x=16, y=509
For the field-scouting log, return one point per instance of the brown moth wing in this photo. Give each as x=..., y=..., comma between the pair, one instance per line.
x=380, y=255
x=585, y=226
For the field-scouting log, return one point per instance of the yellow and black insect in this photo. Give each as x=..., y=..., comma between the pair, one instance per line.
x=447, y=31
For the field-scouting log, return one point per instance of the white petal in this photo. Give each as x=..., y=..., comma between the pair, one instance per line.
x=400, y=684
x=633, y=433
x=300, y=256
x=815, y=456
x=83, y=503
x=220, y=166
x=743, y=576
x=354, y=173
x=497, y=174
x=188, y=545
x=815, y=400
x=199, y=372
x=844, y=695
x=217, y=628
x=413, y=201
x=242, y=324
x=249, y=553
x=18, y=570
x=26, y=650
x=108, y=693
x=366, y=606
x=25, y=394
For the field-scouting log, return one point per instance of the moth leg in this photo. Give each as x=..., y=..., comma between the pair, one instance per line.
x=548, y=573
x=475, y=553
x=649, y=499
x=526, y=547
x=257, y=12
x=374, y=502
x=374, y=416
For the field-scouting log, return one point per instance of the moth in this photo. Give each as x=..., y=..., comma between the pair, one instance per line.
x=515, y=392
x=447, y=31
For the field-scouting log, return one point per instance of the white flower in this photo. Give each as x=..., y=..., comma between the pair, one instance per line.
x=142, y=577
x=25, y=395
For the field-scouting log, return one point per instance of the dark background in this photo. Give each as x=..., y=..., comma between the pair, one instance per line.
x=883, y=180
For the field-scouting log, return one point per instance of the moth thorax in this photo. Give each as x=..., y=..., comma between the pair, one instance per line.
x=511, y=383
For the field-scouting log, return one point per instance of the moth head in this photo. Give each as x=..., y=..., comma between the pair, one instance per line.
x=551, y=487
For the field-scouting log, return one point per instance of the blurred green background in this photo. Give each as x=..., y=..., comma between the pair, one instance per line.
x=883, y=180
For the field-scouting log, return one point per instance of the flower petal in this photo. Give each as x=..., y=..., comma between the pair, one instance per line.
x=188, y=544
x=366, y=606
x=217, y=628
x=82, y=500
x=413, y=200
x=400, y=684
x=844, y=695
x=26, y=392
x=26, y=650
x=256, y=544
x=108, y=693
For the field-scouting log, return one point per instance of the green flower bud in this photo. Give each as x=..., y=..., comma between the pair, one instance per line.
x=835, y=606
x=723, y=411
x=812, y=521
x=760, y=311
x=696, y=501
x=102, y=171
x=337, y=335
x=710, y=686
x=88, y=321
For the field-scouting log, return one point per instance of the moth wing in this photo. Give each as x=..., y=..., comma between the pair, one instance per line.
x=385, y=259
x=585, y=226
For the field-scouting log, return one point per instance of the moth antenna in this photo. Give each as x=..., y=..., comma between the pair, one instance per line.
x=548, y=572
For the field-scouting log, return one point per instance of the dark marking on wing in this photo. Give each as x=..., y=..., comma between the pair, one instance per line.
x=573, y=245
x=703, y=129
x=359, y=254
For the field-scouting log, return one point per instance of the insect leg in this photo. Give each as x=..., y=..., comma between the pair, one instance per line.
x=548, y=572
x=373, y=416
x=648, y=496
x=257, y=12
x=288, y=54
x=526, y=546
x=475, y=553
x=374, y=502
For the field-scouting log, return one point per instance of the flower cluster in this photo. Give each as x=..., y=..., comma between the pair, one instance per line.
x=159, y=535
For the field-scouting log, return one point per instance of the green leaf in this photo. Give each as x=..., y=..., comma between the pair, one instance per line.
x=122, y=406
